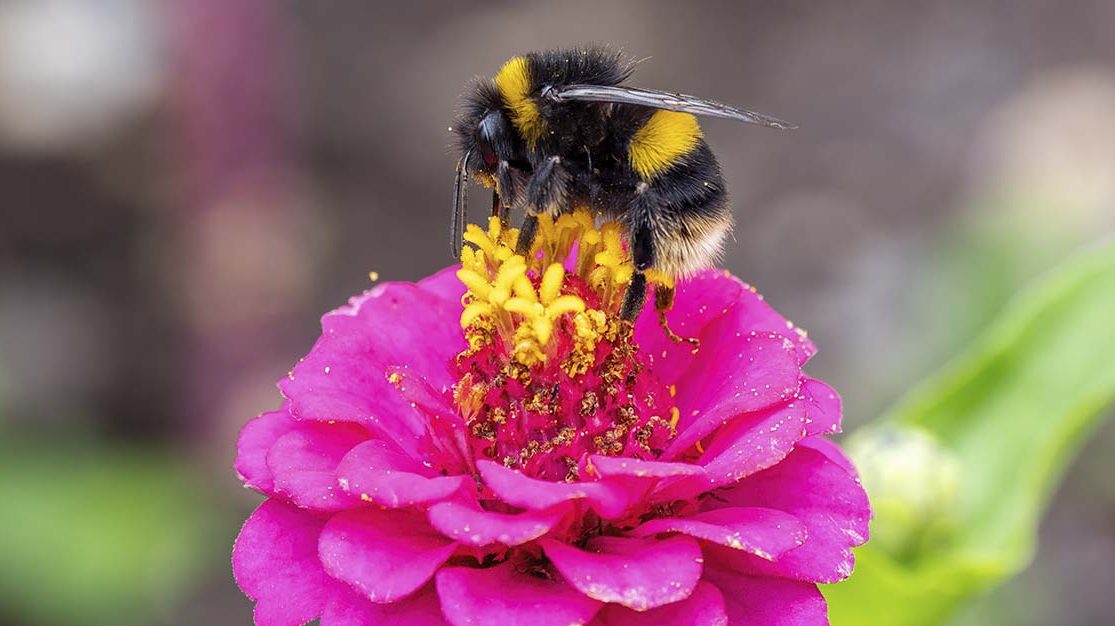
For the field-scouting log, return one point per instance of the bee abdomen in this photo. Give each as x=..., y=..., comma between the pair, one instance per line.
x=685, y=211
x=698, y=245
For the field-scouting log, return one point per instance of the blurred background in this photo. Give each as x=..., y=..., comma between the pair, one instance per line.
x=185, y=187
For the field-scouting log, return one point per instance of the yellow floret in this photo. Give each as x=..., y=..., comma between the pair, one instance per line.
x=502, y=303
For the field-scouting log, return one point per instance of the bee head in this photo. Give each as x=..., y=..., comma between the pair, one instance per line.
x=485, y=132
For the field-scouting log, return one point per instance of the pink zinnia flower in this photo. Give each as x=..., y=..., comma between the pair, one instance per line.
x=512, y=453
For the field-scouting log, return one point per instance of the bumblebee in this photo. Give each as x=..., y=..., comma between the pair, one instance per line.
x=557, y=130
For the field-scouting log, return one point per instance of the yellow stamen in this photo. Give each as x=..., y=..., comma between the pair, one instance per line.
x=477, y=285
x=475, y=311
x=521, y=301
x=551, y=283
x=564, y=304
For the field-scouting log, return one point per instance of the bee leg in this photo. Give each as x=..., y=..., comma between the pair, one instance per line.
x=635, y=297
x=663, y=302
x=500, y=210
x=526, y=234
x=505, y=184
x=547, y=189
x=642, y=254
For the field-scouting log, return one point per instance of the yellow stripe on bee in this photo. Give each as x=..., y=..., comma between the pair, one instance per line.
x=666, y=137
x=513, y=82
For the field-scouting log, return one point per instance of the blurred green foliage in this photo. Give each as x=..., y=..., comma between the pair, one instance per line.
x=97, y=537
x=1010, y=413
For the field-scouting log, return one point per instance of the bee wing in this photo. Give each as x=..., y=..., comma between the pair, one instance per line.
x=460, y=207
x=663, y=100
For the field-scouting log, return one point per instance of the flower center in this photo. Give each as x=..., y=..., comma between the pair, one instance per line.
x=551, y=373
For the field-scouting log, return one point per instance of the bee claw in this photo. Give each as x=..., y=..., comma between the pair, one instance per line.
x=676, y=338
x=663, y=302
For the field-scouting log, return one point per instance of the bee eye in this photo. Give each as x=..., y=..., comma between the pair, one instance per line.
x=487, y=154
x=490, y=129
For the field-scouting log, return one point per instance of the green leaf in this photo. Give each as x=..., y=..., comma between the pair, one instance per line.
x=104, y=537
x=1011, y=412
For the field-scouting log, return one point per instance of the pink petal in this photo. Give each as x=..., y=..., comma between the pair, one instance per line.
x=503, y=596
x=704, y=608
x=385, y=555
x=638, y=573
x=753, y=314
x=275, y=563
x=753, y=443
x=472, y=526
x=304, y=464
x=749, y=444
x=756, y=601
x=347, y=608
x=766, y=533
x=713, y=294
x=736, y=374
x=609, y=498
x=414, y=388
x=812, y=484
x=407, y=325
x=375, y=472
x=256, y=439
x=445, y=285
x=610, y=466
x=699, y=301
x=756, y=441
x=832, y=453
x=447, y=429
x=823, y=409
x=344, y=378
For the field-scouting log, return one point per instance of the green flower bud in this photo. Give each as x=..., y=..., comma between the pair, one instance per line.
x=912, y=481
